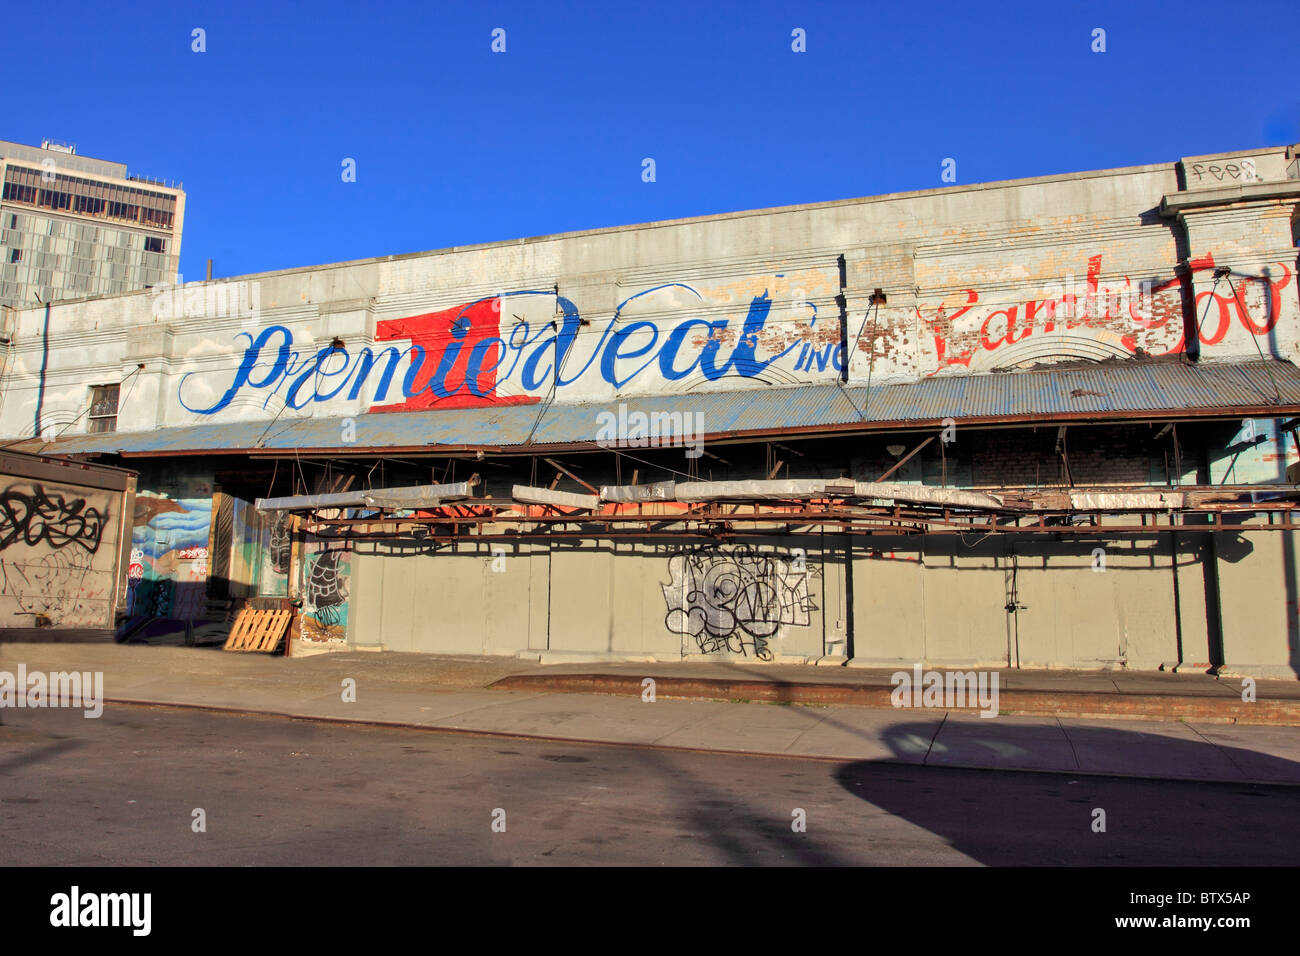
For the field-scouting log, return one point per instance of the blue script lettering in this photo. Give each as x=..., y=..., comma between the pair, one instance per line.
x=541, y=354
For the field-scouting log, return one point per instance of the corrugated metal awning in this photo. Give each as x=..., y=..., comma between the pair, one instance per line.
x=1100, y=392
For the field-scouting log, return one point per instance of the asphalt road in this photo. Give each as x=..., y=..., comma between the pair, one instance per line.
x=123, y=789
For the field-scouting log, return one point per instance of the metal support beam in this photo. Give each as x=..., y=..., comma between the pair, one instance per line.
x=905, y=459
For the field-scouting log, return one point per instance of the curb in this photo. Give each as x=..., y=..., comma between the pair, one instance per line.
x=1018, y=703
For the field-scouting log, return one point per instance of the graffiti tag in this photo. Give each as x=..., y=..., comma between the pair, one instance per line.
x=735, y=599
x=38, y=517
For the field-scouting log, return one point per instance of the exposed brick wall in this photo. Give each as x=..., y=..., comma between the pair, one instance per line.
x=1112, y=455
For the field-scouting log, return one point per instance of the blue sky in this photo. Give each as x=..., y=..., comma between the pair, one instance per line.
x=455, y=144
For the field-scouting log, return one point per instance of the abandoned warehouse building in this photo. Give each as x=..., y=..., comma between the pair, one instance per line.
x=1039, y=423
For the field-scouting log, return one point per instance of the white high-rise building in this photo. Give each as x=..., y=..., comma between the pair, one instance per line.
x=72, y=226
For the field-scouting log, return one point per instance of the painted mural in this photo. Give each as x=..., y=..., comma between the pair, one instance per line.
x=530, y=346
x=735, y=599
x=325, y=595
x=168, y=574
x=56, y=555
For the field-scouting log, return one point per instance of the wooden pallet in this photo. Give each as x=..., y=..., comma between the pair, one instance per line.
x=258, y=630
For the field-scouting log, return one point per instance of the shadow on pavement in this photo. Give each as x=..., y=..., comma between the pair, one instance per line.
x=1013, y=817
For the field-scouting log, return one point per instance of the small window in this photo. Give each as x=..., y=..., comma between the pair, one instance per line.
x=15, y=255
x=153, y=244
x=103, y=408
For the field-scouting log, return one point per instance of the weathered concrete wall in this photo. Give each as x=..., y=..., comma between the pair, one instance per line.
x=1095, y=603
x=1259, y=596
x=61, y=548
x=597, y=598
x=977, y=279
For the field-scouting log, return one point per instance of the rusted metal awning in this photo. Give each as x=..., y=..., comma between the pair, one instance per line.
x=1143, y=390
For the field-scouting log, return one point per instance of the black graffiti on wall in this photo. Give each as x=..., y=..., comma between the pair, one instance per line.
x=735, y=599
x=35, y=516
x=1245, y=171
x=59, y=584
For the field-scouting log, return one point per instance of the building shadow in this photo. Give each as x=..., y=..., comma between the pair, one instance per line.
x=1013, y=816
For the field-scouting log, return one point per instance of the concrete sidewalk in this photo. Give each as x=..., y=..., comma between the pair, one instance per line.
x=493, y=696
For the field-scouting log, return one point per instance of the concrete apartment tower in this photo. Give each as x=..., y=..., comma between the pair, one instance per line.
x=72, y=226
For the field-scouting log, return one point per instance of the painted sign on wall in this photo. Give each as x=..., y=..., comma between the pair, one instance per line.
x=517, y=348
x=529, y=346
x=1095, y=319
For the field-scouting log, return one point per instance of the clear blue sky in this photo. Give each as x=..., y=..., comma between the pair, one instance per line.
x=455, y=144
